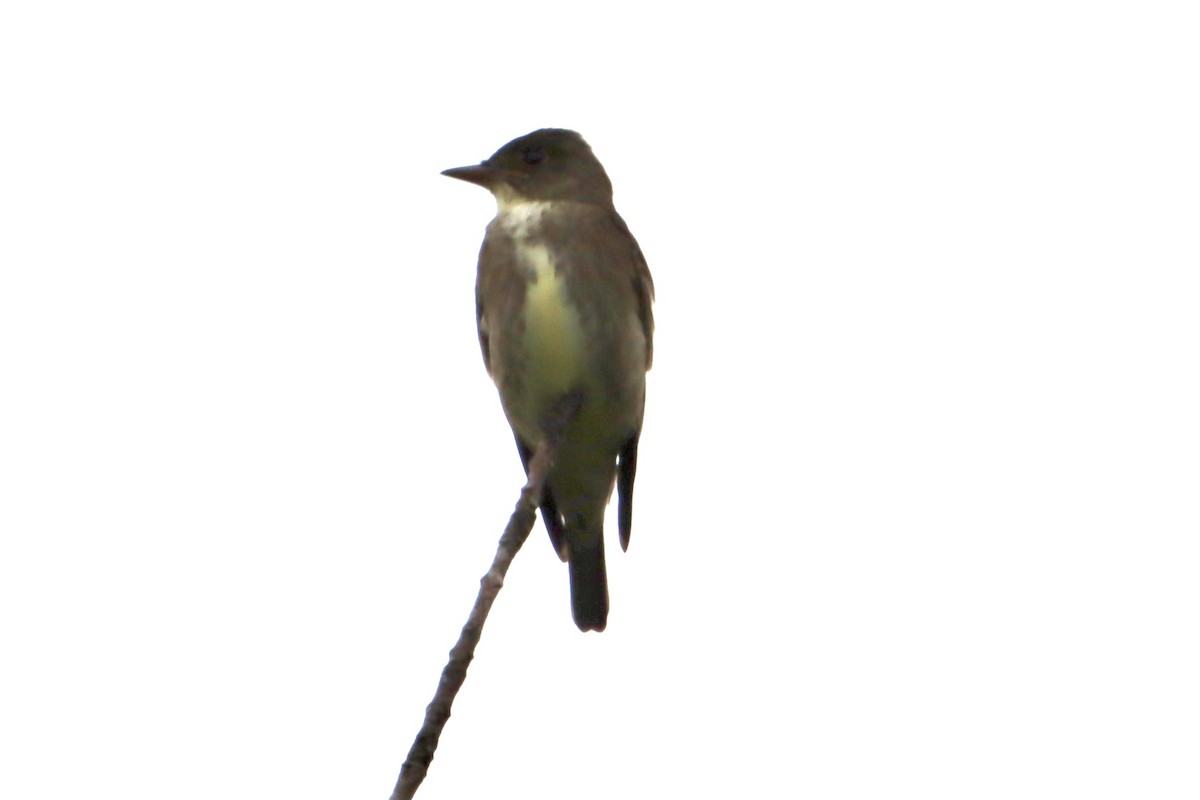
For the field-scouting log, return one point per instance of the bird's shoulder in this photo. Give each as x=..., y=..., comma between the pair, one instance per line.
x=595, y=246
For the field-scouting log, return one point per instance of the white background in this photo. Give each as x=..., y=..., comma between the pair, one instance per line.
x=917, y=500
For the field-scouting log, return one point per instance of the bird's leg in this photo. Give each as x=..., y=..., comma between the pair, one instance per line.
x=561, y=414
x=554, y=426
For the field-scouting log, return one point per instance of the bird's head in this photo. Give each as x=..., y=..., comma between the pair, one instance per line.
x=546, y=165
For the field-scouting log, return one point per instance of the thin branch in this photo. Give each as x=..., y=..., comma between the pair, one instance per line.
x=416, y=765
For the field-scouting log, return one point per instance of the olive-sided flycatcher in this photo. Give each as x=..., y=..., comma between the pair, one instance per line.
x=562, y=301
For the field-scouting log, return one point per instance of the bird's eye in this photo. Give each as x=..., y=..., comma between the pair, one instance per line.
x=533, y=156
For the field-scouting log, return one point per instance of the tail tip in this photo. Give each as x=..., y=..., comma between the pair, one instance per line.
x=589, y=588
x=586, y=624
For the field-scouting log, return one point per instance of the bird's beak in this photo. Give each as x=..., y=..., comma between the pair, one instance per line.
x=480, y=174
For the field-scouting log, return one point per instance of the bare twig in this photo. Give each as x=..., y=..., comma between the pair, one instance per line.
x=455, y=672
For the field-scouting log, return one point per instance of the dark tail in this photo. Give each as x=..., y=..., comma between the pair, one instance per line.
x=589, y=586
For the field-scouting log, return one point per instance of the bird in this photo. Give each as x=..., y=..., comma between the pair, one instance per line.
x=563, y=299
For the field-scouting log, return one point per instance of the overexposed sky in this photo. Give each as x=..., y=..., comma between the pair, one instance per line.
x=917, y=501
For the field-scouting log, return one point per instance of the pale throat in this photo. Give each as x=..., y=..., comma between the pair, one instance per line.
x=518, y=215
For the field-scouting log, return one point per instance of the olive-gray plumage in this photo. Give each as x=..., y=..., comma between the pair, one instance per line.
x=563, y=306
